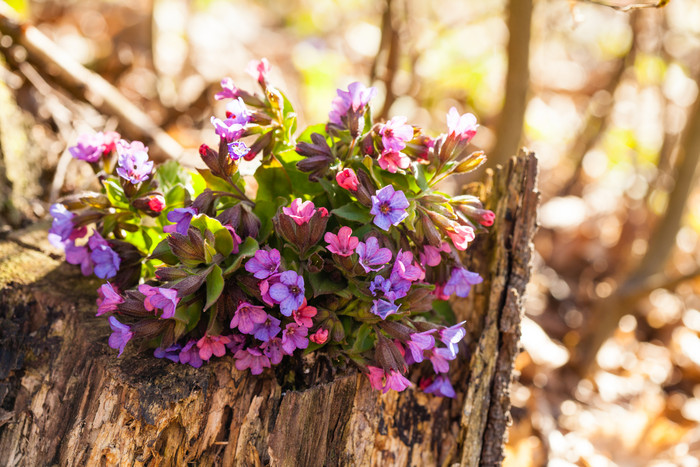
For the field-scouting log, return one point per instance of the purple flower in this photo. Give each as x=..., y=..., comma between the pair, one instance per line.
x=264, y=286
x=404, y=268
x=108, y=300
x=461, y=281
x=300, y=212
x=462, y=127
x=395, y=133
x=342, y=244
x=452, y=336
x=264, y=264
x=228, y=129
x=133, y=161
x=121, y=334
x=171, y=353
x=273, y=350
x=441, y=387
x=190, y=354
x=372, y=258
x=237, y=342
x=252, y=358
x=228, y=90
x=267, y=330
x=389, y=207
x=62, y=228
x=294, y=337
x=212, y=345
x=439, y=358
x=355, y=98
x=237, y=149
x=238, y=112
x=106, y=260
x=392, y=290
x=383, y=308
x=182, y=218
x=396, y=381
x=79, y=255
x=419, y=343
x=247, y=316
x=288, y=292
x=89, y=147
x=160, y=298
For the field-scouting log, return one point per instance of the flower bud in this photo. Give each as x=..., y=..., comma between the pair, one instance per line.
x=388, y=355
x=261, y=144
x=337, y=331
x=365, y=188
x=152, y=205
x=431, y=232
x=396, y=330
x=347, y=179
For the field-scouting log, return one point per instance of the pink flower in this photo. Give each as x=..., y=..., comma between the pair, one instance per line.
x=342, y=244
x=160, y=298
x=463, y=127
x=392, y=161
x=300, y=211
x=294, y=337
x=247, y=316
x=395, y=133
x=228, y=90
x=259, y=70
x=461, y=235
x=487, y=218
x=320, y=336
x=252, y=358
x=431, y=255
x=376, y=377
x=396, y=381
x=303, y=315
x=347, y=179
x=108, y=299
x=209, y=345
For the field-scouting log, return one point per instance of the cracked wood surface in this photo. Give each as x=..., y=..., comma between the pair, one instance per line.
x=66, y=399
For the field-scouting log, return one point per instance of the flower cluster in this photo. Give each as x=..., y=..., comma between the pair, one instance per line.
x=347, y=248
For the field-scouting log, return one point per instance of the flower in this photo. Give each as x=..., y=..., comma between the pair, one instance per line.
x=182, y=218
x=419, y=343
x=439, y=358
x=160, y=298
x=189, y=354
x=156, y=203
x=461, y=281
x=264, y=263
x=228, y=129
x=462, y=127
x=431, y=255
x=237, y=342
x=389, y=207
x=303, y=315
x=395, y=133
x=238, y=112
x=228, y=90
x=320, y=336
x=91, y=147
x=392, y=161
x=288, y=292
x=234, y=236
x=300, y=212
x=171, y=353
x=372, y=258
x=247, y=316
x=134, y=165
x=237, y=149
x=251, y=358
x=62, y=228
x=376, y=377
x=273, y=350
x=121, y=334
x=461, y=235
x=212, y=345
x=79, y=255
x=355, y=98
x=267, y=330
x=441, y=387
x=404, y=268
x=259, y=69
x=106, y=260
x=392, y=289
x=347, y=179
x=452, y=336
x=108, y=299
x=342, y=244
x=396, y=381
x=294, y=337
x=383, y=308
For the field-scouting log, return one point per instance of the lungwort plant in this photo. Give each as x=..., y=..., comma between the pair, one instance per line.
x=334, y=241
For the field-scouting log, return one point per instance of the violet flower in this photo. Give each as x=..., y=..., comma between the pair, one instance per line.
x=383, y=308
x=341, y=244
x=108, y=299
x=106, y=260
x=121, y=334
x=267, y=330
x=172, y=353
x=160, y=298
x=238, y=112
x=273, y=350
x=228, y=90
x=452, y=336
x=372, y=258
x=300, y=211
x=419, y=343
x=212, y=345
x=404, y=268
x=62, y=228
x=288, y=292
x=294, y=337
x=441, y=387
x=247, y=316
x=190, y=354
x=182, y=218
x=431, y=256
x=237, y=149
x=228, y=129
x=461, y=281
x=392, y=289
x=264, y=263
x=251, y=358
x=89, y=147
x=462, y=127
x=237, y=342
x=134, y=165
x=389, y=207
x=440, y=357
x=264, y=286
x=79, y=255
x=355, y=98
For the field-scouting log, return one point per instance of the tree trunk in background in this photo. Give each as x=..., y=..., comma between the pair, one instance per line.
x=66, y=399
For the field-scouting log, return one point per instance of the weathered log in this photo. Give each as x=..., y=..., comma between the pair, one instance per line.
x=65, y=397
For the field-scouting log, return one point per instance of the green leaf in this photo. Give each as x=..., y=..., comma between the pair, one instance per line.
x=163, y=253
x=115, y=193
x=215, y=285
x=301, y=185
x=419, y=175
x=265, y=210
x=354, y=212
x=364, y=340
x=245, y=250
x=444, y=309
x=272, y=182
x=321, y=284
x=319, y=128
x=223, y=242
x=171, y=173
x=189, y=315
x=215, y=183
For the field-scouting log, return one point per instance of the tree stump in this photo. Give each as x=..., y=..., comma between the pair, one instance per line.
x=66, y=399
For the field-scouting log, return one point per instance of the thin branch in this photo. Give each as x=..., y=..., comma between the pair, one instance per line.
x=631, y=6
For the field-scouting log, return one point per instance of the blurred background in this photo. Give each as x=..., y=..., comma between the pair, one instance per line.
x=605, y=93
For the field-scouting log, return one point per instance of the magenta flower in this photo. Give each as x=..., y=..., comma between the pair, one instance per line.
x=108, y=299
x=237, y=342
x=389, y=207
x=134, y=165
x=300, y=212
x=441, y=387
x=252, y=358
x=342, y=244
x=121, y=334
x=273, y=350
x=228, y=129
x=395, y=133
x=160, y=298
x=396, y=381
x=376, y=377
x=264, y=286
x=419, y=343
x=228, y=90
x=106, y=260
x=461, y=281
x=462, y=127
x=372, y=258
x=267, y=330
x=247, y=316
x=404, y=268
x=172, y=353
x=347, y=179
x=79, y=255
x=461, y=235
x=383, y=308
x=288, y=292
x=237, y=149
x=440, y=357
x=91, y=147
x=264, y=263
x=303, y=315
x=259, y=70
x=320, y=336
x=234, y=236
x=392, y=161
x=294, y=337
x=452, y=336
x=355, y=98
x=431, y=256
x=212, y=345
x=190, y=354
x=182, y=218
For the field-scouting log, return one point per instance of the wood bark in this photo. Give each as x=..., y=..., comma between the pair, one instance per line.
x=66, y=399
